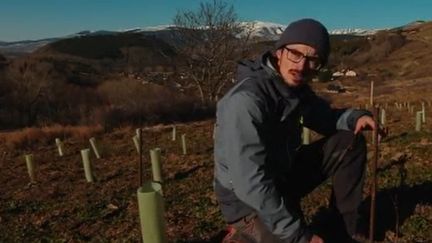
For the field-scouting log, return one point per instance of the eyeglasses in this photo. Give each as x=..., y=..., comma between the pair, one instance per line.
x=313, y=62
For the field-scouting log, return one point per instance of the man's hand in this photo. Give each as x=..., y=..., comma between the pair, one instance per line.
x=364, y=123
x=368, y=123
x=316, y=239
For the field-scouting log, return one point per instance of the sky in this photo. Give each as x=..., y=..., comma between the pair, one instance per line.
x=38, y=19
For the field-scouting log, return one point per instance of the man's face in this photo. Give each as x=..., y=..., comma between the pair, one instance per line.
x=297, y=63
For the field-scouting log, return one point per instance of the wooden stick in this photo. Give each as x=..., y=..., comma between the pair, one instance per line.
x=374, y=180
x=423, y=113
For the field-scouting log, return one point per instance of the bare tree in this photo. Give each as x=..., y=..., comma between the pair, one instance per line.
x=210, y=41
x=30, y=84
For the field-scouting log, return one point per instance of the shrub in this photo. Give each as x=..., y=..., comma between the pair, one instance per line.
x=132, y=102
x=29, y=137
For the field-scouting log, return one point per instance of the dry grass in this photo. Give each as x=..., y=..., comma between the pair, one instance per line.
x=30, y=136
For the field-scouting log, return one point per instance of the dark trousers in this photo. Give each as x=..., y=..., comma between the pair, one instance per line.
x=341, y=157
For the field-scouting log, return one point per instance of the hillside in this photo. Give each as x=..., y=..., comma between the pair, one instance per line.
x=125, y=51
x=151, y=50
x=69, y=71
x=401, y=53
x=388, y=54
x=91, y=59
x=90, y=78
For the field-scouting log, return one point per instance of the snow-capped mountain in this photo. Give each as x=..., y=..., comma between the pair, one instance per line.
x=353, y=31
x=258, y=29
x=263, y=30
x=158, y=27
x=91, y=33
x=17, y=48
x=22, y=47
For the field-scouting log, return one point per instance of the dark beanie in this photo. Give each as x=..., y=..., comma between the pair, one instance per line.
x=309, y=32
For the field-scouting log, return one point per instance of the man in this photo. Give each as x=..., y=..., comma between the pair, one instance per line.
x=261, y=171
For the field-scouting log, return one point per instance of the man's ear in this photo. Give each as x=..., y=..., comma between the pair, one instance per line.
x=278, y=53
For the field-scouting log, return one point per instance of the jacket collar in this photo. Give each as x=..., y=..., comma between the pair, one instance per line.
x=287, y=94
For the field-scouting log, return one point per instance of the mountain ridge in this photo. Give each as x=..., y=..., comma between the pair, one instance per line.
x=398, y=52
x=261, y=30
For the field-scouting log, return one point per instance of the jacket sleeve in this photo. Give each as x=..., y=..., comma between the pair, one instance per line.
x=241, y=120
x=320, y=117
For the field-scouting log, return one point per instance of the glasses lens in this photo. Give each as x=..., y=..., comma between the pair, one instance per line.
x=295, y=55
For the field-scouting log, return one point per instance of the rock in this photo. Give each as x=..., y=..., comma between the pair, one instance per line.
x=112, y=206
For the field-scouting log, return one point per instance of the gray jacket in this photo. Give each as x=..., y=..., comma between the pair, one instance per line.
x=257, y=132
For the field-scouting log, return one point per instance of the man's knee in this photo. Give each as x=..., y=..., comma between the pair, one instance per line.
x=350, y=140
x=346, y=147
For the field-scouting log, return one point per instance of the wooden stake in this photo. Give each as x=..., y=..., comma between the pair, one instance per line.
x=423, y=113
x=374, y=181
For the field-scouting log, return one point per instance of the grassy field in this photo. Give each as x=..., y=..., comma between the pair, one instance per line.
x=63, y=207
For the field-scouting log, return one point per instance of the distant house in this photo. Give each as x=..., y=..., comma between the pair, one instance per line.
x=350, y=73
x=338, y=74
x=344, y=73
